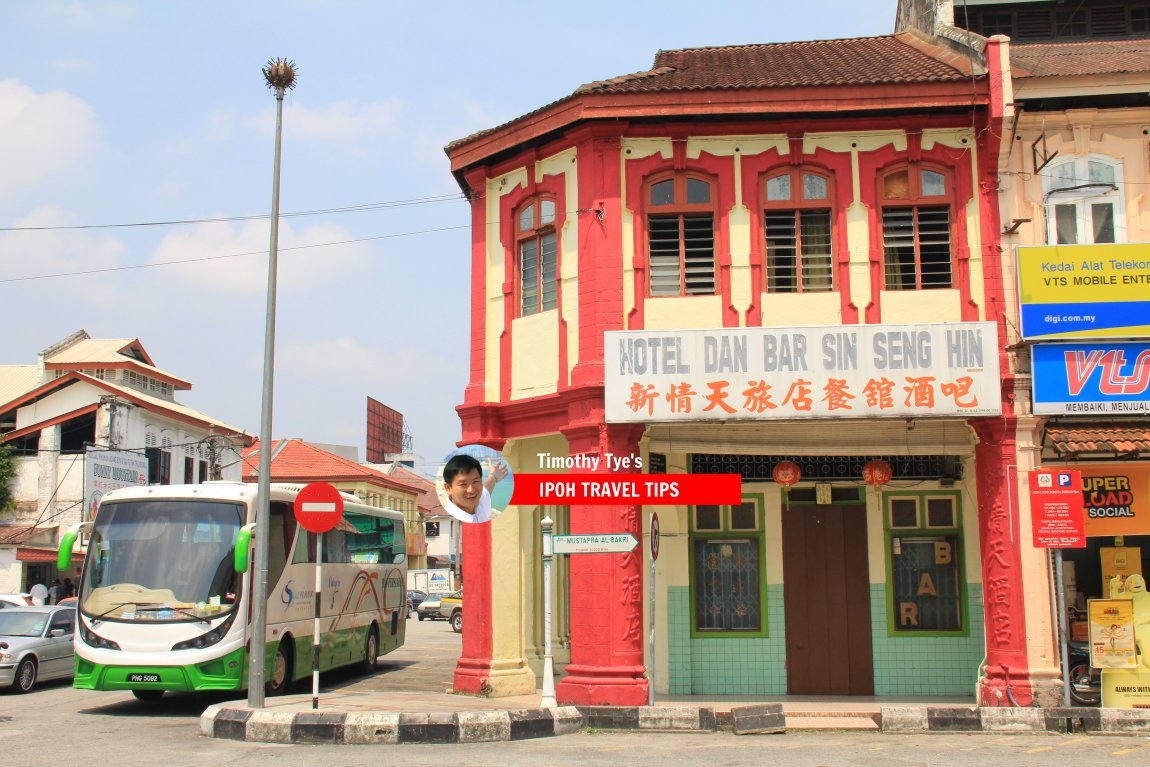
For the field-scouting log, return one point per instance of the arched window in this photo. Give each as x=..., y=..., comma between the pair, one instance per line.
x=537, y=251
x=797, y=223
x=681, y=235
x=1082, y=202
x=916, y=228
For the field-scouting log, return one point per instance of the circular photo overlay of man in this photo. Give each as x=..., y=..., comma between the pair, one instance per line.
x=474, y=483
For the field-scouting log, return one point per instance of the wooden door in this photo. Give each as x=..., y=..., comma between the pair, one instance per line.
x=826, y=590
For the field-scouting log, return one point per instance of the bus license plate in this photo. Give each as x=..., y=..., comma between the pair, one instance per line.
x=143, y=677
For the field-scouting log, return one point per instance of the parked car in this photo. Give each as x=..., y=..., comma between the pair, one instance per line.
x=451, y=607
x=15, y=600
x=68, y=602
x=35, y=644
x=415, y=598
x=429, y=608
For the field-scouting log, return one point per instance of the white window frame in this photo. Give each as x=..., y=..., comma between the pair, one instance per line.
x=1082, y=199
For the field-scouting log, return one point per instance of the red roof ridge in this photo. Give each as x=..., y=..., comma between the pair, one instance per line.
x=738, y=46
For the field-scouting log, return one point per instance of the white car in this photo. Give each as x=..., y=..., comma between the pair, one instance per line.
x=35, y=644
x=15, y=600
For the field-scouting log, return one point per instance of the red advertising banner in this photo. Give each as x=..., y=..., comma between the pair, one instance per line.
x=638, y=489
x=1057, y=509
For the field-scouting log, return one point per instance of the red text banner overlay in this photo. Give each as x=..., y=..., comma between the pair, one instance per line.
x=638, y=489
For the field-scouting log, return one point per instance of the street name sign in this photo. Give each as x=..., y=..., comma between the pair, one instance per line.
x=595, y=543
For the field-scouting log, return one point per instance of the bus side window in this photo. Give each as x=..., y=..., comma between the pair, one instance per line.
x=304, y=547
x=279, y=541
x=335, y=547
x=399, y=543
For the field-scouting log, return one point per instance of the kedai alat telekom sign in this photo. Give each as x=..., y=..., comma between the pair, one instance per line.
x=1084, y=291
x=864, y=371
x=1107, y=378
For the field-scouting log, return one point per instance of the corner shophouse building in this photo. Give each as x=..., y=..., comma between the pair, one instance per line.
x=802, y=239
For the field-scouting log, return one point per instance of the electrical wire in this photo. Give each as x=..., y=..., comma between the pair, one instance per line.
x=260, y=217
x=229, y=255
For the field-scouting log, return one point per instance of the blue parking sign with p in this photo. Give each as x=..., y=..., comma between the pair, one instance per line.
x=1063, y=479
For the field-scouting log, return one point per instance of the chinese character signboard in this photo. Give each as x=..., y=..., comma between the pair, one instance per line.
x=1108, y=378
x=1084, y=291
x=1117, y=499
x=867, y=371
x=1056, y=508
x=108, y=470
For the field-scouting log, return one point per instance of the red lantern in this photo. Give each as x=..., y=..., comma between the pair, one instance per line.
x=877, y=472
x=786, y=473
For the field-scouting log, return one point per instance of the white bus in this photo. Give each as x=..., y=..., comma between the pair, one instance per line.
x=165, y=592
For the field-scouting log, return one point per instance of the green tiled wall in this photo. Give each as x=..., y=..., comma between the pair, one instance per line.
x=925, y=665
x=735, y=666
x=727, y=665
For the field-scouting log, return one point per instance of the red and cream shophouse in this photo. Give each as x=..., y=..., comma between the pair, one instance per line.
x=780, y=261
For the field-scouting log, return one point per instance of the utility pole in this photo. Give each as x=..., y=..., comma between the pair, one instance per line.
x=280, y=76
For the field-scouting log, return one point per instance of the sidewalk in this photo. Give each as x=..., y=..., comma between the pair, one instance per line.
x=409, y=701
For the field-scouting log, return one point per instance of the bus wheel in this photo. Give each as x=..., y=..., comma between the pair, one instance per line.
x=370, y=652
x=148, y=695
x=281, y=672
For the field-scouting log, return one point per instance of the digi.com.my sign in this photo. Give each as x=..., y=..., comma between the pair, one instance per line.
x=1084, y=291
x=868, y=371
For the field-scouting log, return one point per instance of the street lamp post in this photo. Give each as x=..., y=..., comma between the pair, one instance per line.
x=280, y=75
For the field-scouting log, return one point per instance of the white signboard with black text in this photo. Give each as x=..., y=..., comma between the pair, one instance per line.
x=108, y=470
x=862, y=371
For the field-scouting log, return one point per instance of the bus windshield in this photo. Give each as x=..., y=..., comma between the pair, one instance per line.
x=162, y=560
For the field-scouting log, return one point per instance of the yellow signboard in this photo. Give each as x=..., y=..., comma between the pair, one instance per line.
x=1118, y=563
x=1117, y=499
x=1084, y=291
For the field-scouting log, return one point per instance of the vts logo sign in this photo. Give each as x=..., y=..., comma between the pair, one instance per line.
x=1080, y=366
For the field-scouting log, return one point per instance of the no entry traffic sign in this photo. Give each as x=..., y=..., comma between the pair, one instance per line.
x=319, y=507
x=654, y=536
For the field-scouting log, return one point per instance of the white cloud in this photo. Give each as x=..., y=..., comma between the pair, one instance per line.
x=385, y=365
x=348, y=123
x=42, y=135
x=61, y=251
x=297, y=264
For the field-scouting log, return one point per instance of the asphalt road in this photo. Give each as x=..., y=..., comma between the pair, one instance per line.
x=57, y=723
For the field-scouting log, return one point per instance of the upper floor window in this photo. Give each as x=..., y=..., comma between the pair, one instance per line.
x=681, y=236
x=1082, y=202
x=537, y=250
x=797, y=222
x=916, y=229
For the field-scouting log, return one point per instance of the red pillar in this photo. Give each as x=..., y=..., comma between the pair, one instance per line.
x=474, y=665
x=1006, y=679
x=606, y=590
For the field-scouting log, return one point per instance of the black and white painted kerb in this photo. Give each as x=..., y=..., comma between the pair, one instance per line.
x=235, y=721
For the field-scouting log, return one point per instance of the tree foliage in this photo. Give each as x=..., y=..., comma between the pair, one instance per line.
x=8, y=470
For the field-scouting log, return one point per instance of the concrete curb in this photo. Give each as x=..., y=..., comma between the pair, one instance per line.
x=1097, y=721
x=237, y=722
x=377, y=727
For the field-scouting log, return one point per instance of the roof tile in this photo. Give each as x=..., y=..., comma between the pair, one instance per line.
x=1099, y=438
x=1093, y=57
x=888, y=59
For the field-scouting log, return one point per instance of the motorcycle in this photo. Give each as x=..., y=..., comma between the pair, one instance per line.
x=1085, y=682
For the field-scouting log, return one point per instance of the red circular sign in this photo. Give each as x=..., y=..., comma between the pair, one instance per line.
x=654, y=535
x=877, y=472
x=318, y=507
x=787, y=473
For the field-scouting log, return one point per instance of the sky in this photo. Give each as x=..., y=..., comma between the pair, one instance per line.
x=119, y=117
